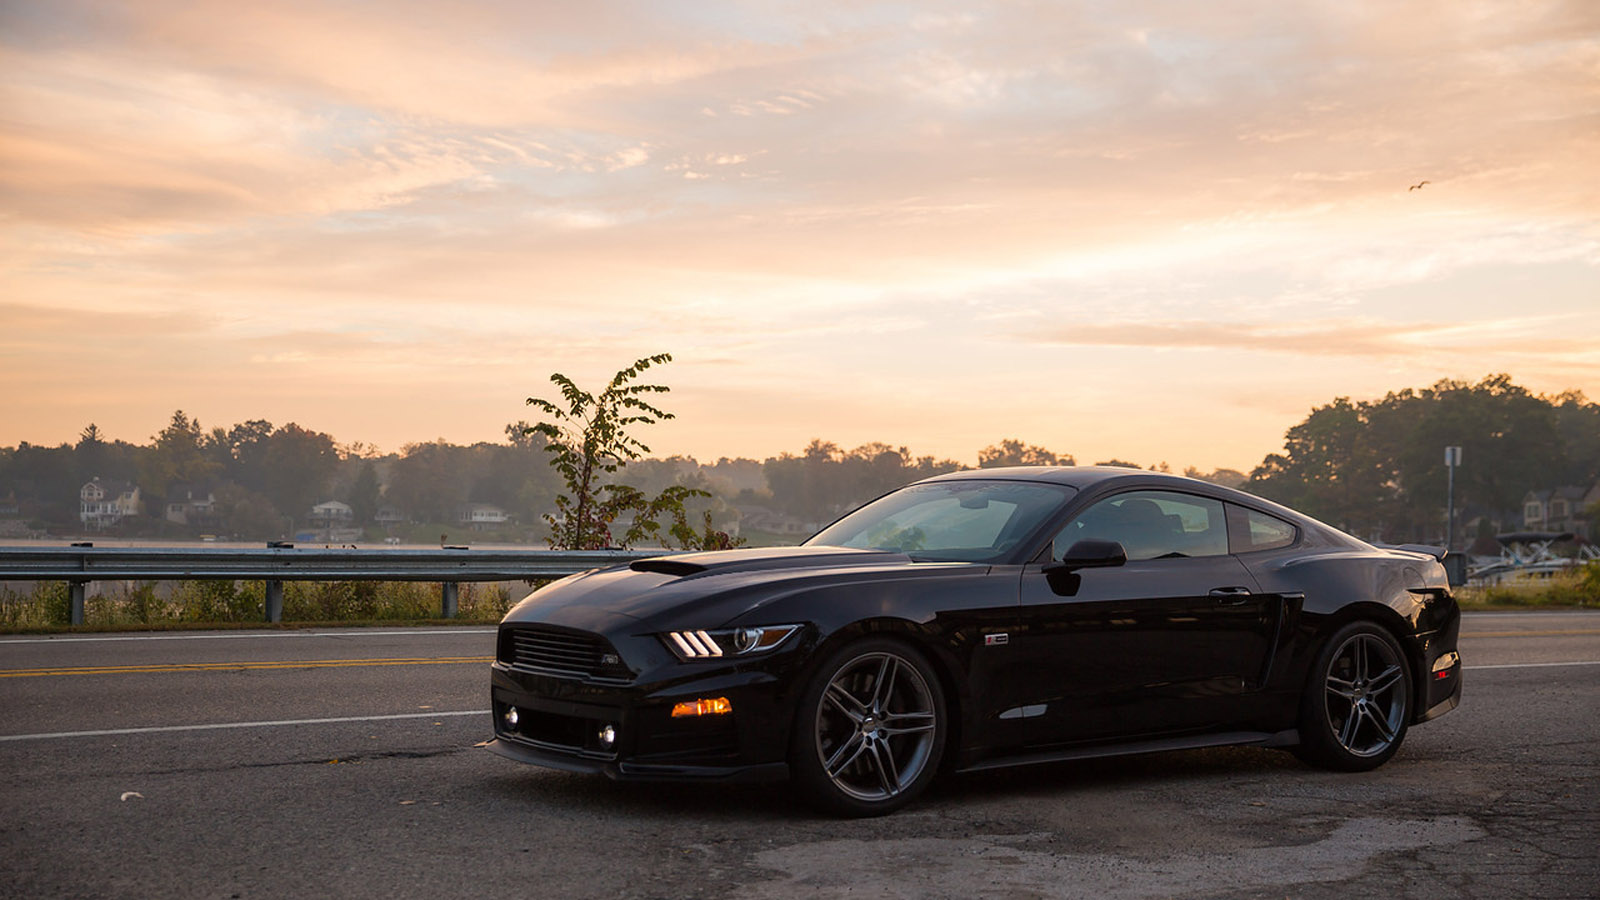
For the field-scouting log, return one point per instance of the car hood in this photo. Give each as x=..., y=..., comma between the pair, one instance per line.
x=707, y=590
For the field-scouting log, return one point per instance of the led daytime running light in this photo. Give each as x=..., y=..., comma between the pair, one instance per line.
x=701, y=644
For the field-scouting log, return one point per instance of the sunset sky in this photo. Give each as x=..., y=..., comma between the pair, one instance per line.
x=1149, y=230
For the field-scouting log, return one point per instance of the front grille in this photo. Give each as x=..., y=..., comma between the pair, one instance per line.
x=556, y=651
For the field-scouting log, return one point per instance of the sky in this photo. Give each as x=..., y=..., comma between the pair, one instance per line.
x=1154, y=231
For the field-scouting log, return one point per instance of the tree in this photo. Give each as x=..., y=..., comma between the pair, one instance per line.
x=430, y=480
x=824, y=481
x=1012, y=452
x=177, y=457
x=296, y=464
x=244, y=450
x=809, y=485
x=364, y=494
x=95, y=457
x=1578, y=421
x=1225, y=477
x=245, y=513
x=1377, y=468
x=1317, y=473
x=588, y=438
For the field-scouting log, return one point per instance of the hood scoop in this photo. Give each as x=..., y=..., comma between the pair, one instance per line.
x=718, y=562
x=674, y=567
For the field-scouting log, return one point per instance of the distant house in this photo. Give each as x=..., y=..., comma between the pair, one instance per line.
x=389, y=515
x=482, y=515
x=1559, y=509
x=332, y=512
x=102, y=504
x=191, y=504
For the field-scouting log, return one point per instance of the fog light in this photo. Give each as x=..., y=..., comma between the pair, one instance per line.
x=608, y=736
x=511, y=717
x=714, y=706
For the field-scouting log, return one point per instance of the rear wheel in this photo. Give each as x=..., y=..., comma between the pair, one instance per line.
x=870, y=729
x=1357, y=703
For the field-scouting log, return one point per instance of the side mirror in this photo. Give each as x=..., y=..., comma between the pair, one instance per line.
x=1090, y=553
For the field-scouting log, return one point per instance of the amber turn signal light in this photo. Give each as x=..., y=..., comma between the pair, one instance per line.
x=712, y=706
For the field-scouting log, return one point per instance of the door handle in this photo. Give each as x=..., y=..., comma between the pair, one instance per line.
x=1231, y=596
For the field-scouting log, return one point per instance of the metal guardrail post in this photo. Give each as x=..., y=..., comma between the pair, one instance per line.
x=75, y=592
x=448, y=592
x=274, y=601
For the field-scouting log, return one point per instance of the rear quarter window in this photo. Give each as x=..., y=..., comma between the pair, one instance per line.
x=1250, y=531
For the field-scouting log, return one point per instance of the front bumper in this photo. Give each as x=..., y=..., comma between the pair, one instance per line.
x=630, y=771
x=561, y=719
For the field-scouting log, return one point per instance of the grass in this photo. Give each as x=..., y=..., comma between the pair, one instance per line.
x=1579, y=588
x=131, y=605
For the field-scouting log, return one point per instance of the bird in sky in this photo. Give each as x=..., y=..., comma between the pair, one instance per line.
x=1416, y=186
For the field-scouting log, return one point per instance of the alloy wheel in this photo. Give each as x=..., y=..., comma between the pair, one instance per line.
x=876, y=726
x=1365, y=690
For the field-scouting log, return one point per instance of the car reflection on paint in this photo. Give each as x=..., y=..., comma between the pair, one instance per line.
x=982, y=619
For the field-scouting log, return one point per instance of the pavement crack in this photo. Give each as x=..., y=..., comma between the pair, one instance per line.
x=353, y=758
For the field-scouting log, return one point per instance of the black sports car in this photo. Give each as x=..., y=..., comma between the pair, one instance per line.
x=980, y=619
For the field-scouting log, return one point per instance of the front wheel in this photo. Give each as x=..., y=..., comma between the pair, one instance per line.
x=1357, y=702
x=870, y=729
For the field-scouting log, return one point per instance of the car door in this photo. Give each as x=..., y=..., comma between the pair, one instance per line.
x=1170, y=642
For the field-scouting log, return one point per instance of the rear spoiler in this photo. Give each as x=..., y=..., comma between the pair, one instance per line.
x=1429, y=549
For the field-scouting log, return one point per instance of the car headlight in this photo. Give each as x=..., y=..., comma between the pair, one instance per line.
x=727, y=642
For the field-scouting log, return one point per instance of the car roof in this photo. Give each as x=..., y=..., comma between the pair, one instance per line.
x=1074, y=476
x=1085, y=477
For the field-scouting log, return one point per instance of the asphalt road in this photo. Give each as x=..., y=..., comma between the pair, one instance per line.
x=342, y=763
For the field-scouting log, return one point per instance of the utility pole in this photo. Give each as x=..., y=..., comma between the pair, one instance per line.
x=1452, y=458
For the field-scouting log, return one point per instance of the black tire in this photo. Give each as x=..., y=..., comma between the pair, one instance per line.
x=869, y=730
x=1357, y=701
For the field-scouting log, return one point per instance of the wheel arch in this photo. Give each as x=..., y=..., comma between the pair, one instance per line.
x=923, y=641
x=1390, y=621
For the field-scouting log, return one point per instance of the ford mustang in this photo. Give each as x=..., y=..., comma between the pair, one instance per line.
x=984, y=618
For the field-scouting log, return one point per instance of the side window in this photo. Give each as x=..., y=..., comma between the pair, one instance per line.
x=1250, y=530
x=1151, y=525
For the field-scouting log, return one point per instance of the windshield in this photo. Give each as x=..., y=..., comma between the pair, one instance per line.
x=977, y=521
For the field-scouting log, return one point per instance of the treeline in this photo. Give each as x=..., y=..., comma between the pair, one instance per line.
x=264, y=480
x=1377, y=468
x=1374, y=468
x=258, y=481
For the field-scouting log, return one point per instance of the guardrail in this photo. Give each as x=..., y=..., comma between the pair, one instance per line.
x=276, y=564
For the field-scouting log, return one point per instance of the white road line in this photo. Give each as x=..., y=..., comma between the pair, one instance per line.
x=1586, y=662
x=158, y=728
x=1545, y=614
x=111, y=732
x=409, y=632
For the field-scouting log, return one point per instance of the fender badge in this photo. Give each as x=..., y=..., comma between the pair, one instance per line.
x=995, y=640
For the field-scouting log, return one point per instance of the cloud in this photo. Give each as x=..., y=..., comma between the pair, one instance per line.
x=1356, y=338
x=283, y=197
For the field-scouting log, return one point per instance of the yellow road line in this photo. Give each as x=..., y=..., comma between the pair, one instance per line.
x=1529, y=633
x=237, y=666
